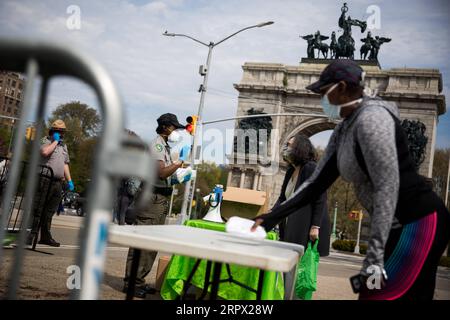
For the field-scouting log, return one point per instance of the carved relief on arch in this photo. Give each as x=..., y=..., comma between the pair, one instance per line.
x=290, y=124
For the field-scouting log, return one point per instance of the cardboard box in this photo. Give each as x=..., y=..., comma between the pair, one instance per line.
x=161, y=271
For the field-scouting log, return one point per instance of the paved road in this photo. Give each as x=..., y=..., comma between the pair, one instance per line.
x=45, y=273
x=335, y=270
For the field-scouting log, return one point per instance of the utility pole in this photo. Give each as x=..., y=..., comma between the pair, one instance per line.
x=195, y=154
x=333, y=233
x=360, y=217
x=448, y=185
x=11, y=137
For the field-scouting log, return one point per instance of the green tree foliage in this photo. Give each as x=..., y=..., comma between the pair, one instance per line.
x=83, y=126
x=440, y=171
x=79, y=116
x=208, y=175
x=342, y=193
x=440, y=176
x=5, y=136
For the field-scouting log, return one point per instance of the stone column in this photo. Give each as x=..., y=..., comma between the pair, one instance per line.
x=255, y=181
x=230, y=174
x=432, y=147
x=241, y=184
x=260, y=178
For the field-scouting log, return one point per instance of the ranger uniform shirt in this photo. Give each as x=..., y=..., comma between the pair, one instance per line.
x=160, y=150
x=57, y=159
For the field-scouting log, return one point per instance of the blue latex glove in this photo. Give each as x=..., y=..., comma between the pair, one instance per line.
x=56, y=136
x=184, y=153
x=187, y=177
x=71, y=185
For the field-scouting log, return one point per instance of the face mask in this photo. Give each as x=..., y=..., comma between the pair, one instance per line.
x=174, y=136
x=287, y=154
x=331, y=110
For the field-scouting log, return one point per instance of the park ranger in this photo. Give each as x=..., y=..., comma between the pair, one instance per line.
x=55, y=155
x=155, y=212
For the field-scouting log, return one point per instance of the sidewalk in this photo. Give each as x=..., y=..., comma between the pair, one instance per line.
x=67, y=221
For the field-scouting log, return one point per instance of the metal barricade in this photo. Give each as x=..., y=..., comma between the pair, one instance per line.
x=15, y=222
x=114, y=153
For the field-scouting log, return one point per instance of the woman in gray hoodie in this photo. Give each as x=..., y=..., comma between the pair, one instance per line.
x=410, y=226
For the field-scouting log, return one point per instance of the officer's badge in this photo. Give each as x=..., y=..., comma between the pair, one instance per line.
x=159, y=147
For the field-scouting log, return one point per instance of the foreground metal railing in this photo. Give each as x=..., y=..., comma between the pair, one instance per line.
x=114, y=153
x=15, y=221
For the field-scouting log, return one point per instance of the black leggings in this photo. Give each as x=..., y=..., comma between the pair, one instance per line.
x=412, y=255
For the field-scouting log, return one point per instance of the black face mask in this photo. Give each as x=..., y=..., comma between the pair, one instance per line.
x=288, y=155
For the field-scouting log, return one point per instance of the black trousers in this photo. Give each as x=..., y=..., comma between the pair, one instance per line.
x=44, y=210
x=124, y=202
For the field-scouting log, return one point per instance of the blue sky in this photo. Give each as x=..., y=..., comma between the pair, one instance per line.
x=156, y=74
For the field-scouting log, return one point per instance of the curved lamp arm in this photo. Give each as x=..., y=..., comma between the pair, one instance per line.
x=255, y=26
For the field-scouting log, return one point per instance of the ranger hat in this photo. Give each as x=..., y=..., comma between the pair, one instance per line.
x=170, y=119
x=59, y=125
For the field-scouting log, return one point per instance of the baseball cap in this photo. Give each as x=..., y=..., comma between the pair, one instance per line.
x=339, y=70
x=170, y=119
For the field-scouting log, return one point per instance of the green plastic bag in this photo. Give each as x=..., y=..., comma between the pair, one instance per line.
x=306, y=282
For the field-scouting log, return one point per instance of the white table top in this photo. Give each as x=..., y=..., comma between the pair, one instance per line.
x=208, y=244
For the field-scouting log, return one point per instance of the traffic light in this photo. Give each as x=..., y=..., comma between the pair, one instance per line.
x=30, y=133
x=355, y=215
x=192, y=124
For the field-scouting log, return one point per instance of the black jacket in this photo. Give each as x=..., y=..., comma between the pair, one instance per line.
x=296, y=230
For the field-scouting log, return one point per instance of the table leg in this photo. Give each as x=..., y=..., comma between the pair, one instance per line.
x=186, y=285
x=260, y=284
x=207, y=282
x=133, y=274
x=216, y=280
x=291, y=294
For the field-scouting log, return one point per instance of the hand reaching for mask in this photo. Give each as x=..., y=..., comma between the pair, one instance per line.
x=57, y=137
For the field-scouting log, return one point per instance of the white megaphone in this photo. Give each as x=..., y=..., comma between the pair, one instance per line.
x=215, y=200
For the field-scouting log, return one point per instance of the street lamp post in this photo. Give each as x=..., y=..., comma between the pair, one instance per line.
x=360, y=217
x=333, y=233
x=448, y=183
x=11, y=137
x=195, y=154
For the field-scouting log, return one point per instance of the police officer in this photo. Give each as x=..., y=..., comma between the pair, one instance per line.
x=55, y=155
x=156, y=211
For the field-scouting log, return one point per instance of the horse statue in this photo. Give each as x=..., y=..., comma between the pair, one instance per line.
x=315, y=42
x=346, y=44
x=376, y=43
x=333, y=45
x=367, y=46
x=310, y=48
x=322, y=47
